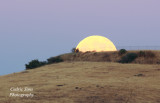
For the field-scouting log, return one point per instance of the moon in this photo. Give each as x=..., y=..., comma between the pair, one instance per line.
x=96, y=43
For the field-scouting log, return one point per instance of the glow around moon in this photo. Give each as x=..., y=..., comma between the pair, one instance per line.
x=96, y=43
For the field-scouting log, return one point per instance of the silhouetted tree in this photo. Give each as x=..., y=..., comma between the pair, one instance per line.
x=74, y=50
x=122, y=51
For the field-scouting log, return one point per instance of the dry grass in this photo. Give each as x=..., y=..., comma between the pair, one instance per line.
x=86, y=82
x=151, y=57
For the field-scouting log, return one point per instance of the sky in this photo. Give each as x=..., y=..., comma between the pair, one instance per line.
x=39, y=29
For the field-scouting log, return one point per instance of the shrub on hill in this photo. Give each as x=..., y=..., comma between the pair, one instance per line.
x=34, y=64
x=122, y=51
x=55, y=60
x=74, y=50
x=128, y=58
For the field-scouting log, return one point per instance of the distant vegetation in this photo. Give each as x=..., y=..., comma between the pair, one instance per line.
x=121, y=56
x=122, y=51
x=34, y=64
x=54, y=60
x=128, y=58
x=74, y=50
x=148, y=57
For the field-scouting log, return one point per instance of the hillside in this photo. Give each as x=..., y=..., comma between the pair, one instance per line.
x=84, y=82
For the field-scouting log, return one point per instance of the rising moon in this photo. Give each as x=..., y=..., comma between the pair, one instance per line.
x=96, y=43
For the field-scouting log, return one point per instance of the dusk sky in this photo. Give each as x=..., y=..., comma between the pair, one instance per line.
x=39, y=29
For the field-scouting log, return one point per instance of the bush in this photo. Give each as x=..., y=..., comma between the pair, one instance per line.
x=34, y=64
x=74, y=50
x=77, y=50
x=55, y=60
x=128, y=58
x=122, y=51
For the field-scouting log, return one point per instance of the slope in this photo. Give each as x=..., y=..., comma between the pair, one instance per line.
x=84, y=82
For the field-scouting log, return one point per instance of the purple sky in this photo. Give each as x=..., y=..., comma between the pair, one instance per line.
x=39, y=29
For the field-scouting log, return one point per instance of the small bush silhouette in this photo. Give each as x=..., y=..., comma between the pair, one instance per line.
x=147, y=54
x=122, y=51
x=34, y=64
x=74, y=50
x=55, y=60
x=128, y=58
x=77, y=50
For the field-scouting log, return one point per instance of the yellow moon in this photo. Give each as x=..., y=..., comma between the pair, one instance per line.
x=96, y=43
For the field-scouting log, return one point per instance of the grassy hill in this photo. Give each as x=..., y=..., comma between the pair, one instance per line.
x=85, y=82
